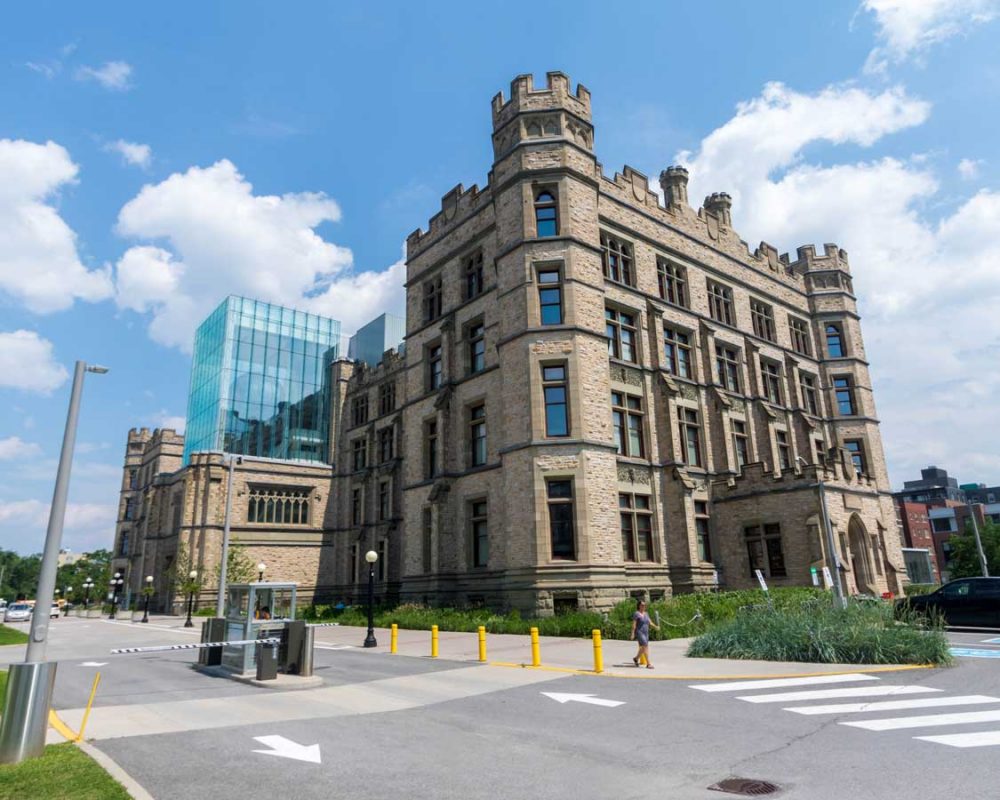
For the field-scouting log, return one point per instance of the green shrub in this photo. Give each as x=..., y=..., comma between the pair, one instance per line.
x=862, y=633
x=913, y=589
x=208, y=611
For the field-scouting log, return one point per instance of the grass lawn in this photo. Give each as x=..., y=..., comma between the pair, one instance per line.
x=11, y=636
x=64, y=772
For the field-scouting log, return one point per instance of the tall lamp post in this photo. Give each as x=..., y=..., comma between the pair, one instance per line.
x=979, y=542
x=24, y=718
x=831, y=553
x=260, y=571
x=66, y=593
x=371, y=557
x=148, y=591
x=116, y=586
x=88, y=584
x=192, y=577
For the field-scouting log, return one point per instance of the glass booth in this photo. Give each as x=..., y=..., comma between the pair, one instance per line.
x=254, y=611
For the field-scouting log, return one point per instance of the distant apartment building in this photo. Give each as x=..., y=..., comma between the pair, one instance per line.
x=934, y=484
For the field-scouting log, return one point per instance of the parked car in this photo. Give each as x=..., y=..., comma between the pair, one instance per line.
x=968, y=602
x=18, y=612
x=54, y=611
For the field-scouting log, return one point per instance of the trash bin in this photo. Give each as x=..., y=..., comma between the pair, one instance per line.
x=267, y=661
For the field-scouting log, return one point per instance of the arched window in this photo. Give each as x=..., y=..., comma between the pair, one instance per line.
x=834, y=341
x=546, y=215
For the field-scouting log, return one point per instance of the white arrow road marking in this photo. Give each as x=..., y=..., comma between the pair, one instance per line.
x=286, y=748
x=93, y=663
x=582, y=698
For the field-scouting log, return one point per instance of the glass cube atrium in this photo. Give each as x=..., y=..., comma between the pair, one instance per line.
x=259, y=382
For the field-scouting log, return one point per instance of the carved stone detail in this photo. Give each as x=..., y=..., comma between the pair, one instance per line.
x=627, y=474
x=621, y=374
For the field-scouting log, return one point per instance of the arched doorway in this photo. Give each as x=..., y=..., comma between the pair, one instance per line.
x=861, y=563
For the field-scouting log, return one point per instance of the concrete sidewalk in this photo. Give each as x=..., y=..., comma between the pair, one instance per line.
x=669, y=657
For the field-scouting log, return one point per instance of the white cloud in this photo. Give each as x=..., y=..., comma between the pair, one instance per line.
x=13, y=447
x=907, y=27
x=132, y=153
x=48, y=69
x=968, y=168
x=215, y=237
x=27, y=362
x=87, y=526
x=113, y=75
x=39, y=264
x=163, y=419
x=928, y=290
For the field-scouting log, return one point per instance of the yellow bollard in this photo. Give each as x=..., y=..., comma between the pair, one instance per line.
x=598, y=654
x=536, y=655
x=434, y=641
x=394, y=638
x=482, y=643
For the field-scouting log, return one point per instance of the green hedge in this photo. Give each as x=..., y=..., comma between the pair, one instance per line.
x=913, y=589
x=680, y=616
x=862, y=633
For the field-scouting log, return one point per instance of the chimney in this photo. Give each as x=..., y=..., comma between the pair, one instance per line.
x=720, y=204
x=674, y=182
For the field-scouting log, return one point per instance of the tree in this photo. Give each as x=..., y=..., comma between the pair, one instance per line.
x=239, y=566
x=965, y=557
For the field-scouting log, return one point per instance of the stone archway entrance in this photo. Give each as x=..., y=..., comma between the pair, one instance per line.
x=861, y=562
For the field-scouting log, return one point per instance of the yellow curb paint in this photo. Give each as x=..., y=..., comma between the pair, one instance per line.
x=61, y=726
x=645, y=677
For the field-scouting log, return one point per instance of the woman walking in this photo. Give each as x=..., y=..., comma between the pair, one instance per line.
x=640, y=632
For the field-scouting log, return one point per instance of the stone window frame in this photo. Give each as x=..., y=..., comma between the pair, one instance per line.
x=858, y=450
x=562, y=501
x=834, y=332
x=741, y=442
x=431, y=446
x=477, y=434
x=771, y=380
x=721, y=307
x=556, y=383
x=359, y=409
x=472, y=272
x=546, y=201
x=798, y=331
x=359, y=453
x=770, y=559
x=387, y=397
x=628, y=424
x=477, y=511
x=685, y=426
x=808, y=393
x=727, y=367
x=434, y=353
x=270, y=504
x=433, y=299
x=381, y=565
x=671, y=280
x=618, y=260
x=703, y=531
x=678, y=350
x=762, y=319
x=844, y=393
x=635, y=510
x=475, y=337
x=384, y=499
x=427, y=539
x=614, y=325
x=357, y=505
x=386, y=443
x=548, y=286
x=783, y=448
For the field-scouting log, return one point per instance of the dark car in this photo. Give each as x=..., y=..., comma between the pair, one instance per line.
x=968, y=602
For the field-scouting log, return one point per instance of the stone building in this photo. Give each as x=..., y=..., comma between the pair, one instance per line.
x=609, y=396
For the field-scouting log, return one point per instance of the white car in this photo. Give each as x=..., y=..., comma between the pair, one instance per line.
x=54, y=611
x=18, y=612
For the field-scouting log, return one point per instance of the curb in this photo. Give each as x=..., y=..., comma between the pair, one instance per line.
x=771, y=676
x=130, y=784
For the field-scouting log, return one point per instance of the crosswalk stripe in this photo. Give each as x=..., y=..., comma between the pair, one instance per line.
x=930, y=720
x=777, y=683
x=829, y=694
x=895, y=705
x=977, y=739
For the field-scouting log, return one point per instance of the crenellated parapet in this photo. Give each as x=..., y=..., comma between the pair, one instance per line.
x=836, y=471
x=456, y=205
x=524, y=97
x=827, y=272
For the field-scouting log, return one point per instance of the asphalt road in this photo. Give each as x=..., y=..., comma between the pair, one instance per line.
x=666, y=739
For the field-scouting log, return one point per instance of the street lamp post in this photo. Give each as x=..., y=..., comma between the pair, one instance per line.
x=88, y=584
x=148, y=591
x=116, y=585
x=260, y=571
x=24, y=719
x=979, y=542
x=371, y=557
x=192, y=576
x=831, y=553
x=66, y=593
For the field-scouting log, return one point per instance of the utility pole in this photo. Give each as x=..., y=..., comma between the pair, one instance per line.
x=831, y=548
x=220, y=600
x=979, y=542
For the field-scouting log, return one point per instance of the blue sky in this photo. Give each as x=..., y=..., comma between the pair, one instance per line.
x=154, y=159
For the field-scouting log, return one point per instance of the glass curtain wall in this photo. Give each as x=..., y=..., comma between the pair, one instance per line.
x=259, y=380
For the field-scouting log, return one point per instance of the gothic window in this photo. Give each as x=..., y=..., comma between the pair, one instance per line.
x=618, y=264
x=546, y=214
x=474, y=275
x=834, y=341
x=799, y=330
x=621, y=332
x=720, y=303
x=432, y=299
x=275, y=505
x=636, y=527
x=677, y=349
x=626, y=416
x=762, y=316
x=672, y=280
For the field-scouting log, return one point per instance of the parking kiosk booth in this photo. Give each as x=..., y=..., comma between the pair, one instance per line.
x=257, y=610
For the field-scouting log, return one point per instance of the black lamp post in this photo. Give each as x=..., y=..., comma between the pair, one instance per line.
x=66, y=604
x=192, y=576
x=116, y=585
x=148, y=591
x=371, y=557
x=88, y=584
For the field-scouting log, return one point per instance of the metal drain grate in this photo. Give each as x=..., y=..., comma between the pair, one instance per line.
x=745, y=786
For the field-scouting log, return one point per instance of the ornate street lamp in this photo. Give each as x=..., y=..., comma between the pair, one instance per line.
x=66, y=593
x=260, y=571
x=148, y=591
x=116, y=585
x=371, y=557
x=88, y=584
x=192, y=577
